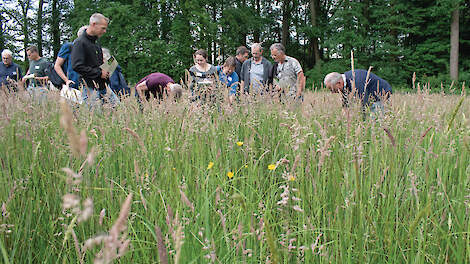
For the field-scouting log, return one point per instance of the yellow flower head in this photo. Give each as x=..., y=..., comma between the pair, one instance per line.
x=211, y=164
x=230, y=174
x=246, y=166
x=291, y=178
x=240, y=143
x=271, y=167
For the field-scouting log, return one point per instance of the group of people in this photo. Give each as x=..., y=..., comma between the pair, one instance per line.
x=81, y=62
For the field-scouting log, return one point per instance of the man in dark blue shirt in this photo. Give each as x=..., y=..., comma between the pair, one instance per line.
x=368, y=87
x=10, y=72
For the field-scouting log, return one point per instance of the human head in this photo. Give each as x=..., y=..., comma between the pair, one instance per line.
x=278, y=52
x=334, y=82
x=32, y=52
x=106, y=54
x=98, y=25
x=242, y=53
x=81, y=30
x=7, y=57
x=175, y=90
x=200, y=57
x=229, y=65
x=256, y=51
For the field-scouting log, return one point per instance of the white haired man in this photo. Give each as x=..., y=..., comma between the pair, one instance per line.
x=87, y=57
x=117, y=82
x=157, y=85
x=367, y=87
x=10, y=72
x=288, y=72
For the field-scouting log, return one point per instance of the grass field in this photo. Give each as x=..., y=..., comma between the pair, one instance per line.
x=261, y=182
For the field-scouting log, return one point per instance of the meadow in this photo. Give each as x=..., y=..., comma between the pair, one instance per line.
x=259, y=182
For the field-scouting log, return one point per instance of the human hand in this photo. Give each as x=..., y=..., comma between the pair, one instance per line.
x=104, y=74
x=69, y=82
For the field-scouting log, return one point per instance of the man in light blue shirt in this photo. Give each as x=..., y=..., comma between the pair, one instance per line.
x=257, y=72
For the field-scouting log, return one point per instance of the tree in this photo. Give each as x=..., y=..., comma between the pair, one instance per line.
x=55, y=27
x=313, y=14
x=454, y=44
x=39, y=27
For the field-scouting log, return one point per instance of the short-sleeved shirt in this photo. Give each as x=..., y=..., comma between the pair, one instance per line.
x=200, y=78
x=37, y=68
x=286, y=74
x=12, y=71
x=64, y=53
x=256, y=76
x=231, y=80
x=156, y=83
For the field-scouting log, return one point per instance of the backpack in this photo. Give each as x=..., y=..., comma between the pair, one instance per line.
x=53, y=75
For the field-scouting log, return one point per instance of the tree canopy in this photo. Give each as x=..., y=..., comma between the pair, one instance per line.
x=395, y=37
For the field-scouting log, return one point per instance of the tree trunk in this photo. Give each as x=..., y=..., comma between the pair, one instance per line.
x=25, y=26
x=2, y=35
x=313, y=14
x=285, y=22
x=39, y=28
x=55, y=27
x=257, y=33
x=242, y=36
x=454, y=45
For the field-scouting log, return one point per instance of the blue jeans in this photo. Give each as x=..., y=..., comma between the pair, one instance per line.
x=94, y=98
x=38, y=92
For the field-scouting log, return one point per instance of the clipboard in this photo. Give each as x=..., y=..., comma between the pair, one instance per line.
x=110, y=65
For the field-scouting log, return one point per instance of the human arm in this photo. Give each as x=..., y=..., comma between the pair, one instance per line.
x=141, y=88
x=58, y=68
x=300, y=83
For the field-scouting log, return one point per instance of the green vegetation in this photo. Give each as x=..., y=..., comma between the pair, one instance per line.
x=255, y=182
x=396, y=37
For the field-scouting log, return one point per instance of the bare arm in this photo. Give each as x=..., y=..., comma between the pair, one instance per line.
x=58, y=68
x=141, y=88
x=301, y=83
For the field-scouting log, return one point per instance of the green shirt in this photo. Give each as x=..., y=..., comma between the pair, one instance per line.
x=37, y=67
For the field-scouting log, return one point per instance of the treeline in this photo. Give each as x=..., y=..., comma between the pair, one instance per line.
x=396, y=37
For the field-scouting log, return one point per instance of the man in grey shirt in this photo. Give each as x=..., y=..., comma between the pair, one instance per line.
x=37, y=65
x=289, y=75
x=256, y=72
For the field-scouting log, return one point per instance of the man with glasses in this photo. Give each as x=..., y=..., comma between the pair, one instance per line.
x=10, y=72
x=257, y=72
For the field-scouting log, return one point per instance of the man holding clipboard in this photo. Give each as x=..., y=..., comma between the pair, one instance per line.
x=87, y=60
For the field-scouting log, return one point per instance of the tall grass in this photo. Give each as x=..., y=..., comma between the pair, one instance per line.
x=342, y=190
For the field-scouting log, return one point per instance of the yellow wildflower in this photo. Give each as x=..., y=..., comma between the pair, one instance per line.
x=291, y=178
x=246, y=166
x=271, y=167
x=240, y=143
x=230, y=174
x=211, y=164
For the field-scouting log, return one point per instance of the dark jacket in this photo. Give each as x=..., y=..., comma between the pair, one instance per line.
x=118, y=84
x=238, y=66
x=87, y=57
x=245, y=73
x=375, y=90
